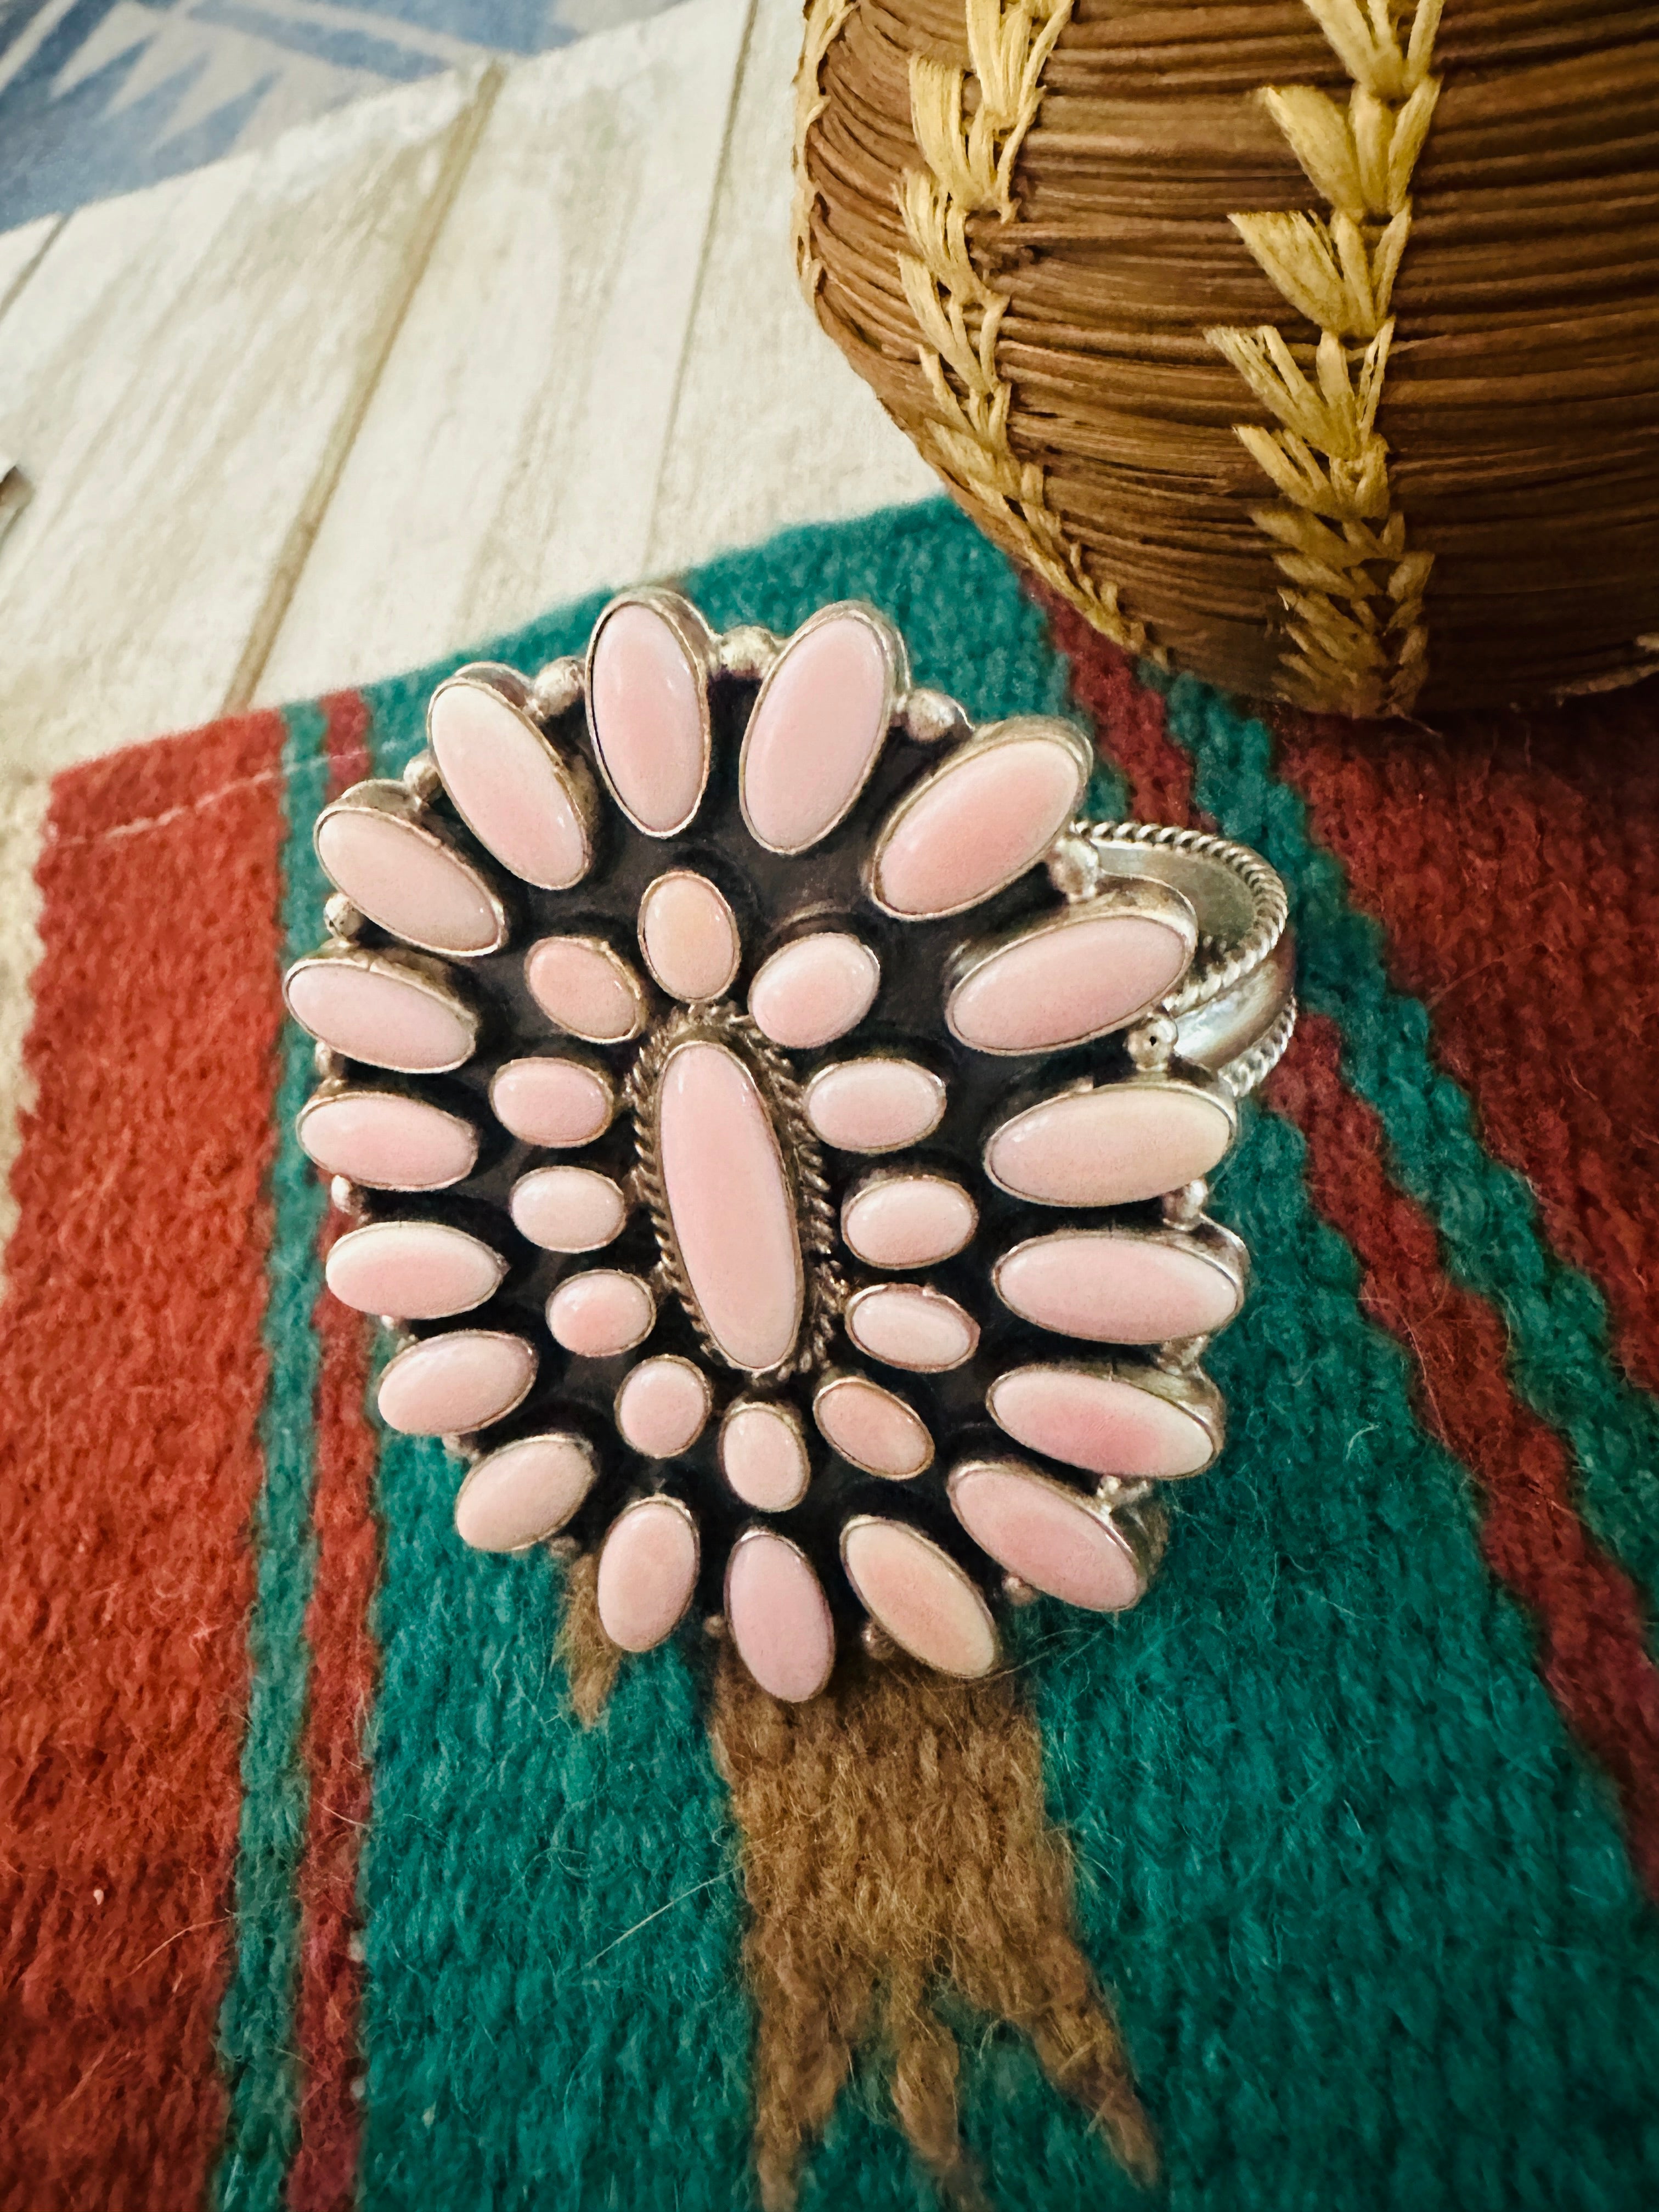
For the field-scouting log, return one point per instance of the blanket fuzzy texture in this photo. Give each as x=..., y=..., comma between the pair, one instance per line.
x=322, y=1892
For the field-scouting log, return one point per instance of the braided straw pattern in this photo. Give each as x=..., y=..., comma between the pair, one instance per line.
x=970, y=161
x=825, y=19
x=1023, y=224
x=1355, y=593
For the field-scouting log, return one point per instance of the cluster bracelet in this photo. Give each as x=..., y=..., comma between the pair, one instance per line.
x=778, y=1129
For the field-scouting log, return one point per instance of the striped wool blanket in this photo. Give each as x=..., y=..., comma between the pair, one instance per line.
x=320, y=1893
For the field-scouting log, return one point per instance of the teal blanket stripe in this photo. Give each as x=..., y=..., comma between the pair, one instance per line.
x=257, y=2022
x=1561, y=1357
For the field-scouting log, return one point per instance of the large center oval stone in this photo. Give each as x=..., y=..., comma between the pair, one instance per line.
x=730, y=1206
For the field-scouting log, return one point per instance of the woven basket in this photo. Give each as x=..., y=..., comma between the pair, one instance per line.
x=1310, y=344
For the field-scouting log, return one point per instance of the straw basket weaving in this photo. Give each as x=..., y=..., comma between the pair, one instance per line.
x=1309, y=345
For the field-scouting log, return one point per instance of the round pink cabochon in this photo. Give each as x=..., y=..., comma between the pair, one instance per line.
x=920, y=1596
x=1098, y=1422
x=387, y=1141
x=815, y=990
x=779, y=1616
x=646, y=1571
x=566, y=1209
x=645, y=704
x=909, y=1325
x=872, y=1427
x=584, y=987
x=874, y=1105
x=508, y=785
x=1063, y=982
x=447, y=1385
x=1045, y=1535
x=601, y=1313
x=815, y=732
x=689, y=935
x=908, y=1221
x=764, y=1457
x=524, y=1492
x=662, y=1406
x=981, y=820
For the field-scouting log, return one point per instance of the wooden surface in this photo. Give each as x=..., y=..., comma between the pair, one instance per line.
x=305, y=417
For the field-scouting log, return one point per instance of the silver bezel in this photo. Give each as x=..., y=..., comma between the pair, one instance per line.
x=568, y=1168
x=389, y=1223
x=393, y=802
x=418, y=971
x=408, y=1352
x=1018, y=730
x=585, y=1274
x=842, y=1378
x=698, y=644
x=896, y=666
x=589, y=1065
x=1187, y=1388
x=509, y=690
x=1154, y=901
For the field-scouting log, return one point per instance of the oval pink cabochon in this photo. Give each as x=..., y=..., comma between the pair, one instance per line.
x=1065, y=981
x=979, y=820
x=1114, y=1287
x=408, y=883
x=388, y=1141
x=1046, y=1535
x=925, y=1602
x=646, y=707
x=1112, y=1145
x=779, y=1617
x=815, y=732
x=524, y=1493
x=1099, y=1422
x=508, y=785
x=648, y=1568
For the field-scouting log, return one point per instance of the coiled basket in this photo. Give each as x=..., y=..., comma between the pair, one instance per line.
x=1312, y=345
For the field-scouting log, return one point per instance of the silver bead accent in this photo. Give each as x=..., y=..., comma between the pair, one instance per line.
x=555, y=690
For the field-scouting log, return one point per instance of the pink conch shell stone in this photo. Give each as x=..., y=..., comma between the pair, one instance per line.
x=1046, y=1535
x=552, y=1102
x=585, y=988
x=388, y=1142
x=414, y=1270
x=815, y=990
x=779, y=1617
x=601, y=1313
x=662, y=1407
x=568, y=1209
x=920, y=1597
x=733, y=1217
x=874, y=1105
x=645, y=707
x=378, y=1015
x=406, y=883
x=977, y=822
x=1114, y=1288
x=447, y=1385
x=524, y=1493
x=873, y=1428
x=1110, y=1146
x=815, y=732
x=688, y=936
x=908, y=1221
x=907, y=1325
x=507, y=787
x=646, y=1571
x=1065, y=981
x=764, y=1457
x=1099, y=1422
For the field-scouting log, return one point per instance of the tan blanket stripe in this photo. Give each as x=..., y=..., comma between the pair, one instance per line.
x=1354, y=592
